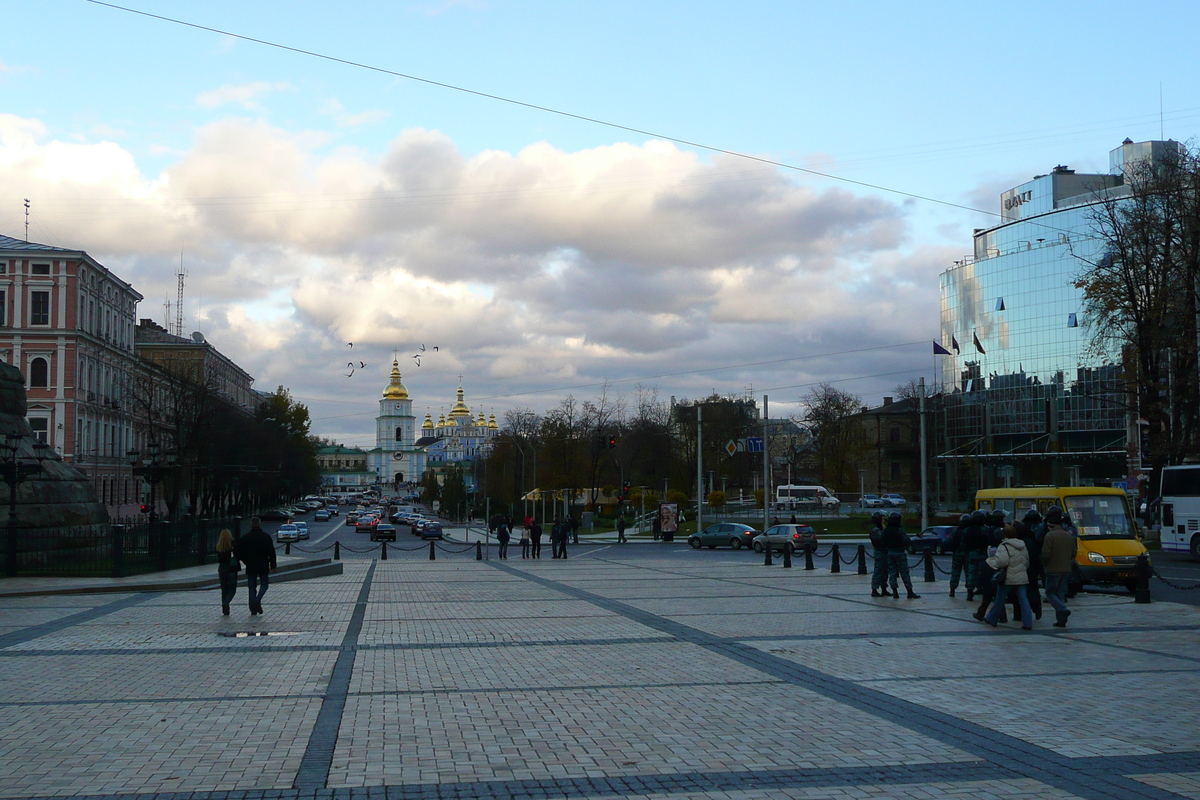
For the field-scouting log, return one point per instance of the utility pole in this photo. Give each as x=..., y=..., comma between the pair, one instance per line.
x=766, y=471
x=924, y=467
x=699, y=470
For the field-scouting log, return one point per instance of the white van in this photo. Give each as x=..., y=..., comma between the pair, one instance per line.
x=792, y=497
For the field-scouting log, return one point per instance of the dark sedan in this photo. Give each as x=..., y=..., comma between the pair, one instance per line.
x=724, y=534
x=935, y=538
x=383, y=531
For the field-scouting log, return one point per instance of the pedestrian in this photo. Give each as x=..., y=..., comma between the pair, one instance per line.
x=1011, y=563
x=257, y=552
x=958, y=562
x=525, y=541
x=621, y=530
x=879, y=574
x=535, y=538
x=227, y=569
x=895, y=542
x=1025, y=532
x=993, y=532
x=793, y=520
x=573, y=525
x=556, y=534
x=656, y=526
x=502, y=536
x=1059, y=548
x=974, y=541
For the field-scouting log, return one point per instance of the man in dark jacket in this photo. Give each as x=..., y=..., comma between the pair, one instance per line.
x=880, y=573
x=256, y=550
x=535, y=536
x=1059, y=547
x=1025, y=532
x=621, y=529
x=895, y=542
x=974, y=542
x=958, y=564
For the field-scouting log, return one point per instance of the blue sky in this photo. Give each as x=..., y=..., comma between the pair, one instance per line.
x=316, y=201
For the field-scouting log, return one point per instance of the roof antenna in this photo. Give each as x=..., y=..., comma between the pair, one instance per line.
x=181, y=275
x=27, y=219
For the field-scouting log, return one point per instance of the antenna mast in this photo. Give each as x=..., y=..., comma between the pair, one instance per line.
x=26, y=219
x=180, y=275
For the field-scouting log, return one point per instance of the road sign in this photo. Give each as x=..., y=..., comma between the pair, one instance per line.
x=731, y=447
x=754, y=444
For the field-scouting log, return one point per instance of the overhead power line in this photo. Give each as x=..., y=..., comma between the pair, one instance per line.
x=545, y=109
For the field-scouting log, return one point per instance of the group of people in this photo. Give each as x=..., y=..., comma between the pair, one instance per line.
x=891, y=556
x=531, y=535
x=254, y=549
x=1005, y=562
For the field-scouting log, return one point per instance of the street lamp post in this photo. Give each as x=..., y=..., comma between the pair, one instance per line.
x=15, y=473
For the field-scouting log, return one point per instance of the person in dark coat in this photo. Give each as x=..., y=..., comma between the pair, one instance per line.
x=975, y=542
x=895, y=542
x=958, y=563
x=879, y=584
x=1025, y=532
x=573, y=528
x=503, y=536
x=535, y=538
x=227, y=569
x=621, y=530
x=556, y=537
x=257, y=552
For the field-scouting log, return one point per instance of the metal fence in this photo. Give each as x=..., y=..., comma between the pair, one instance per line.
x=114, y=550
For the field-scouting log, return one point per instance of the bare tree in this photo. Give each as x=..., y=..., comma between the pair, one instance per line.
x=838, y=441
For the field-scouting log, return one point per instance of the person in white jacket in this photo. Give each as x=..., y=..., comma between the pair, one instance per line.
x=1012, y=561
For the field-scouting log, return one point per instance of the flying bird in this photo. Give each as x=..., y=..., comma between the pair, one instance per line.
x=349, y=344
x=362, y=365
x=422, y=348
x=435, y=348
x=351, y=375
x=417, y=359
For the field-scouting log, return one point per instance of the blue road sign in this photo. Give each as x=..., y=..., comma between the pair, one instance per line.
x=754, y=444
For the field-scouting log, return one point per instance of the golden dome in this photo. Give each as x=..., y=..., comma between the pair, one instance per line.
x=492, y=423
x=395, y=390
x=481, y=422
x=428, y=423
x=441, y=421
x=460, y=408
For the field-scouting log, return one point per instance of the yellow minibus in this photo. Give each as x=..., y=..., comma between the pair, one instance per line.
x=1108, y=536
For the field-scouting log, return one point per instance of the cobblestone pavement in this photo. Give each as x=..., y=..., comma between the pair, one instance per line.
x=596, y=677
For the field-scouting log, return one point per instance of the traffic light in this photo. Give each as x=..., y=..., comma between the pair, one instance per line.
x=145, y=508
x=612, y=442
x=625, y=488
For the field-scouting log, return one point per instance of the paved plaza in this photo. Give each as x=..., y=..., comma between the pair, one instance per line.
x=675, y=676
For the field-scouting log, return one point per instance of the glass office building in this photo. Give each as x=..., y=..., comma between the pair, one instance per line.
x=1024, y=399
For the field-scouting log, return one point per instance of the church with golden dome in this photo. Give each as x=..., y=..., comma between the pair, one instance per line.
x=396, y=458
x=401, y=454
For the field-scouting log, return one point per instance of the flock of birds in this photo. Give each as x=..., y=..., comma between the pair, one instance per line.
x=363, y=365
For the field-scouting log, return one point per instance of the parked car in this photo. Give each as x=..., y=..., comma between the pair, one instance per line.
x=429, y=529
x=303, y=528
x=299, y=509
x=321, y=516
x=894, y=501
x=383, y=531
x=287, y=533
x=724, y=534
x=935, y=538
x=276, y=514
x=871, y=501
x=785, y=537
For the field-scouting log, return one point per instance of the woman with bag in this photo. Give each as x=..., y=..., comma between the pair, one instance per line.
x=1011, y=563
x=227, y=569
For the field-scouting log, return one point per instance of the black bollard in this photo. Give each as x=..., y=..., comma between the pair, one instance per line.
x=432, y=555
x=835, y=560
x=287, y=549
x=787, y=556
x=929, y=576
x=808, y=551
x=479, y=551
x=337, y=551
x=766, y=553
x=383, y=551
x=862, y=559
x=1141, y=593
x=118, y=552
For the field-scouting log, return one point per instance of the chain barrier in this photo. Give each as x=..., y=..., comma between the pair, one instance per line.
x=822, y=555
x=445, y=549
x=938, y=567
x=920, y=560
x=312, y=550
x=849, y=560
x=1172, y=583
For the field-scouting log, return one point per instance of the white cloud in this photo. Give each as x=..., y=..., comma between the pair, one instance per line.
x=244, y=94
x=527, y=269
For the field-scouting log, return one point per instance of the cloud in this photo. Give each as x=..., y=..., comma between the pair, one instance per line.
x=333, y=108
x=244, y=94
x=7, y=70
x=533, y=269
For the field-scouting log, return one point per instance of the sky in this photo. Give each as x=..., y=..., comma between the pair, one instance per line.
x=316, y=203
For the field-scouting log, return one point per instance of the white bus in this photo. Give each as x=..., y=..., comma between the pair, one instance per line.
x=1179, y=509
x=791, y=497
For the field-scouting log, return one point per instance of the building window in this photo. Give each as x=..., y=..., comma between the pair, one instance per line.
x=3, y=267
x=39, y=373
x=3, y=307
x=399, y=434
x=41, y=428
x=895, y=471
x=39, y=308
x=40, y=269
x=894, y=435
